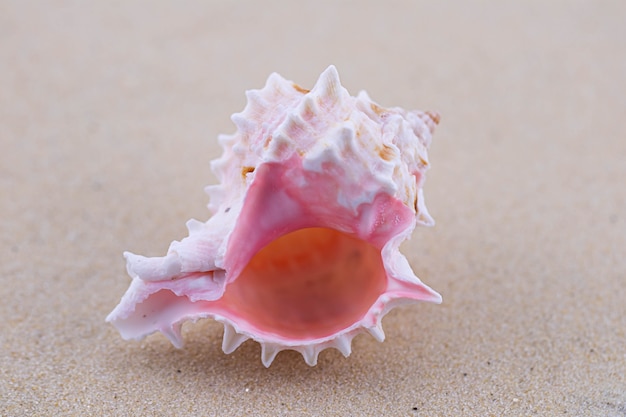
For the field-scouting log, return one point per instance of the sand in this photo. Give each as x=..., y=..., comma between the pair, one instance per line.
x=109, y=113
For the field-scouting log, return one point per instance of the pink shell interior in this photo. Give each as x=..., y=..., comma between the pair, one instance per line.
x=306, y=285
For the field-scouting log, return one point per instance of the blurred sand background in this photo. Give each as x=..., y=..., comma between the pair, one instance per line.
x=109, y=113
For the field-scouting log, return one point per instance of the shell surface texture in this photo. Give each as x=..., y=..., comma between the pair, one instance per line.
x=317, y=190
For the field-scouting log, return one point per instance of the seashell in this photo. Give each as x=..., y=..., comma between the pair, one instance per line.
x=317, y=190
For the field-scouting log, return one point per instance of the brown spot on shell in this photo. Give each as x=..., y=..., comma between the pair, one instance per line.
x=300, y=89
x=387, y=152
x=245, y=171
x=267, y=141
x=430, y=118
x=377, y=109
x=434, y=116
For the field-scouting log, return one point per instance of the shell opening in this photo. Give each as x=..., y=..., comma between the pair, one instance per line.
x=308, y=284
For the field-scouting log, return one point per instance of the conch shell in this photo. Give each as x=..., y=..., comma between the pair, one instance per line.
x=317, y=191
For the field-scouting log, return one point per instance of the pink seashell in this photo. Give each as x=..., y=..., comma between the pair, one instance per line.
x=317, y=191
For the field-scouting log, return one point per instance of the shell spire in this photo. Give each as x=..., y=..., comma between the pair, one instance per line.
x=317, y=190
x=329, y=90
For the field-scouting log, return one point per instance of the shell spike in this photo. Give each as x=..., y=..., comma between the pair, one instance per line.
x=328, y=88
x=363, y=96
x=308, y=109
x=377, y=332
x=173, y=334
x=346, y=138
x=256, y=103
x=268, y=353
x=275, y=81
x=343, y=344
x=309, y=353
x=153, y=269
x=194, y=226
x=216, y=196
x=232, y=340
x=433, y=296
x=243, y=124
x=280, y=147
x=226, y=140
x=421, y=292
x=433, y=120
x=423, y=216
x=294, y=126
